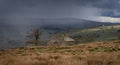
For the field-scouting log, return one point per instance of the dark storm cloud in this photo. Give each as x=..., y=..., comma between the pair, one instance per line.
x=108, y=4
x=109, y=8
x=104, y=4
x=111, y=13
x=15, y=10
x=43, y=7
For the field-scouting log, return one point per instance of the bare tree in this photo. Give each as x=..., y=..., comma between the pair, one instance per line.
x=34, y=37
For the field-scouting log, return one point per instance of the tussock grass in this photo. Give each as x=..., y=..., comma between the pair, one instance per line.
x=97, y=53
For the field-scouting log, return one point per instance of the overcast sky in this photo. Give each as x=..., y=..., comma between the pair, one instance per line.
x=97, y=10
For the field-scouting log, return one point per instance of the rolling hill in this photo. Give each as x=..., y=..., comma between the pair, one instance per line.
x=104, y=33
x=13, y=35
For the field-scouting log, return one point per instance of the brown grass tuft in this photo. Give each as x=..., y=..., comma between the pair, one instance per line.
x=82, y=54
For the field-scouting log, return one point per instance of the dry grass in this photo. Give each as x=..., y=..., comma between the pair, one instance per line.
x=99, y=53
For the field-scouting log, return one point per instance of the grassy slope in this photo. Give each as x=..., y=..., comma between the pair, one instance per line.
x=105, y=33
x=97, y=53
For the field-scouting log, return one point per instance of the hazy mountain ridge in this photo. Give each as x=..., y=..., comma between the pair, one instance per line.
x=70, y=22
x=13, y=35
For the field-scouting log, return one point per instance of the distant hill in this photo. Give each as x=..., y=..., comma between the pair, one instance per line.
x=69, y=23
x=12, y=35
